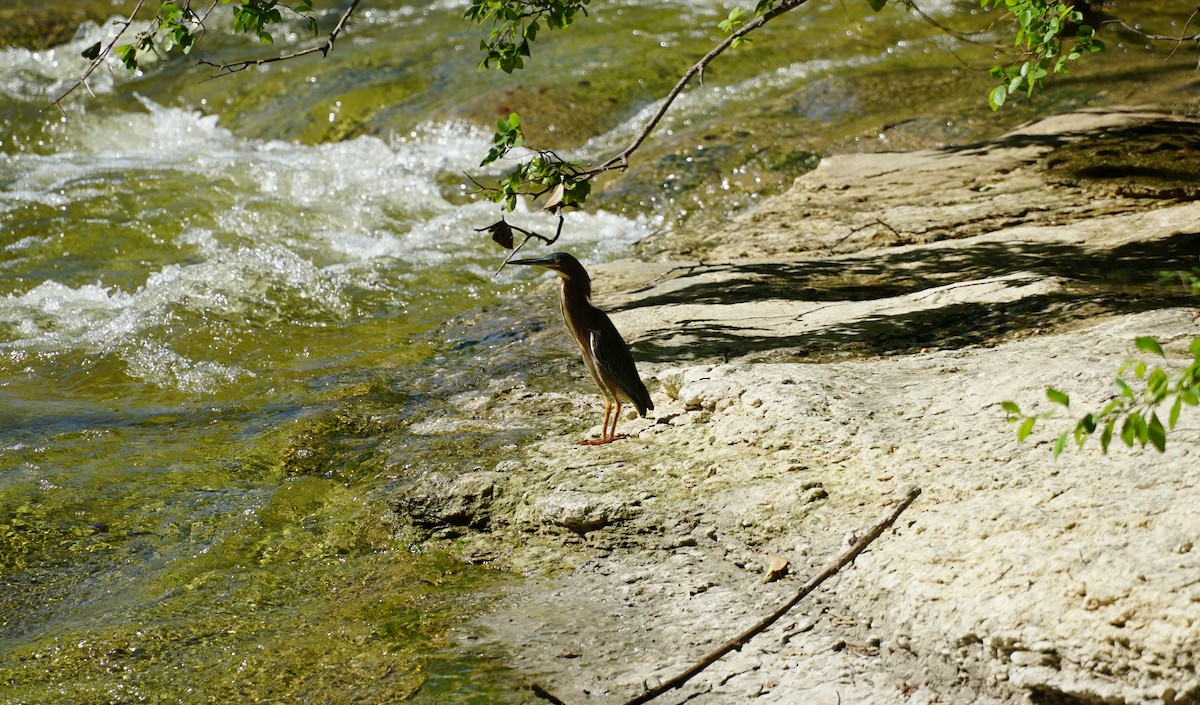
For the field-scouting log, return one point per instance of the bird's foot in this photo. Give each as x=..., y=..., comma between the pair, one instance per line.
x=601, y=441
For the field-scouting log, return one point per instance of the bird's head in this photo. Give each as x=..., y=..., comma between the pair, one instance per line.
x=567, y=266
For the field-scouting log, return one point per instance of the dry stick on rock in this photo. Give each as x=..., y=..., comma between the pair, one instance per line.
x=740, y=640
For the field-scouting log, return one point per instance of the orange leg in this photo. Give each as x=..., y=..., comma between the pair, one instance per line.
x=612, y=435
x=604, y=428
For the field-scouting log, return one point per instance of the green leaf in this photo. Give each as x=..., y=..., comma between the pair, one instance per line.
x=1174, y=416
x=1057, y=397
x=1156, y=433
x=1123, y=388
x=1060, y=444
x=1106, y=435
x=732, y=22
x=1156, y=385
x=1026, y=428
x=997, y=97
x=1141, y=428
x=1012, y=409
x=1109, y=408
x=1148, y=344
x=1128, y=432
x=1081, y=434
x=128, y=56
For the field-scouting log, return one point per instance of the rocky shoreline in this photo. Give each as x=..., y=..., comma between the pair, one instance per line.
x=809, y=361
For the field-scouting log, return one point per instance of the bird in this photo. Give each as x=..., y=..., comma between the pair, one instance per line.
x=604, y=351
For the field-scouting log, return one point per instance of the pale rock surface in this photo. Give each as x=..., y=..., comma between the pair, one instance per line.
x=788, y=419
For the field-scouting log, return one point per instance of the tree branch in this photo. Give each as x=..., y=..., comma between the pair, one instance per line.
x=621, y=160
x=224, y=69
x=100, y=59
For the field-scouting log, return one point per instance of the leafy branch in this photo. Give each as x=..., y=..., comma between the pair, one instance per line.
x=323, y=49
x=1041, y=28
x=1130, y=414
x=516, y=23
x=544, y=171
x=177, y=26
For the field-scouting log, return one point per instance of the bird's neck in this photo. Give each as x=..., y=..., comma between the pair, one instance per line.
x=576, y=288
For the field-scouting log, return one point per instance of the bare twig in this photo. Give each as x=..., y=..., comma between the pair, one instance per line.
x=545, y=695
x=100, y=58
x=968, y=37
x=227, y=68
x=529, y=235
x=860, y=228
x=829, y=571
x=1158, y=37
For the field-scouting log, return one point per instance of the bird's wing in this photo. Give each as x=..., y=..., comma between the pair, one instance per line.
x=615, y=361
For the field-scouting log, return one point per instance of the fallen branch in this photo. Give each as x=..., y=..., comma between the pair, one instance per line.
x=740, y=640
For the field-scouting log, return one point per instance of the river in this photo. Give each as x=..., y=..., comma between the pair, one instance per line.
x=221, y=309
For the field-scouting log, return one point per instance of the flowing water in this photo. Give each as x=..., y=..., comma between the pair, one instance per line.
x=197, y=277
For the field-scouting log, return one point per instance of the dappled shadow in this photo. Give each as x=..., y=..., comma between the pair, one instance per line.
x=1160, y=159
x=1153, y=159
x=1131, y=278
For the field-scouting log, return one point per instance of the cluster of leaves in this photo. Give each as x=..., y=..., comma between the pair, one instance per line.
x=516, y=23
x=1135, y=410
x=256, y=15
x=544, y=172
x=178, y=26
x=737, y=19
x=1041, y=28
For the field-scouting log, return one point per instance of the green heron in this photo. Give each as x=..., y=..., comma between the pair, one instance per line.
x=604, y=352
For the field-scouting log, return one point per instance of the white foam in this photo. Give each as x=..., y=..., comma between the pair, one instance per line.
x=44, y=75
x=281, y=231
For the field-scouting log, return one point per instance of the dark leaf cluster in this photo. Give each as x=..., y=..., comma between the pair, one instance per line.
x=516, y=23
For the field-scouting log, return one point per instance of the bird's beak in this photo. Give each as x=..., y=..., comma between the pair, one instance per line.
x=539, y=262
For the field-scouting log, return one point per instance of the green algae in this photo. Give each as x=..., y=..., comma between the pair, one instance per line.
x=297, y=590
